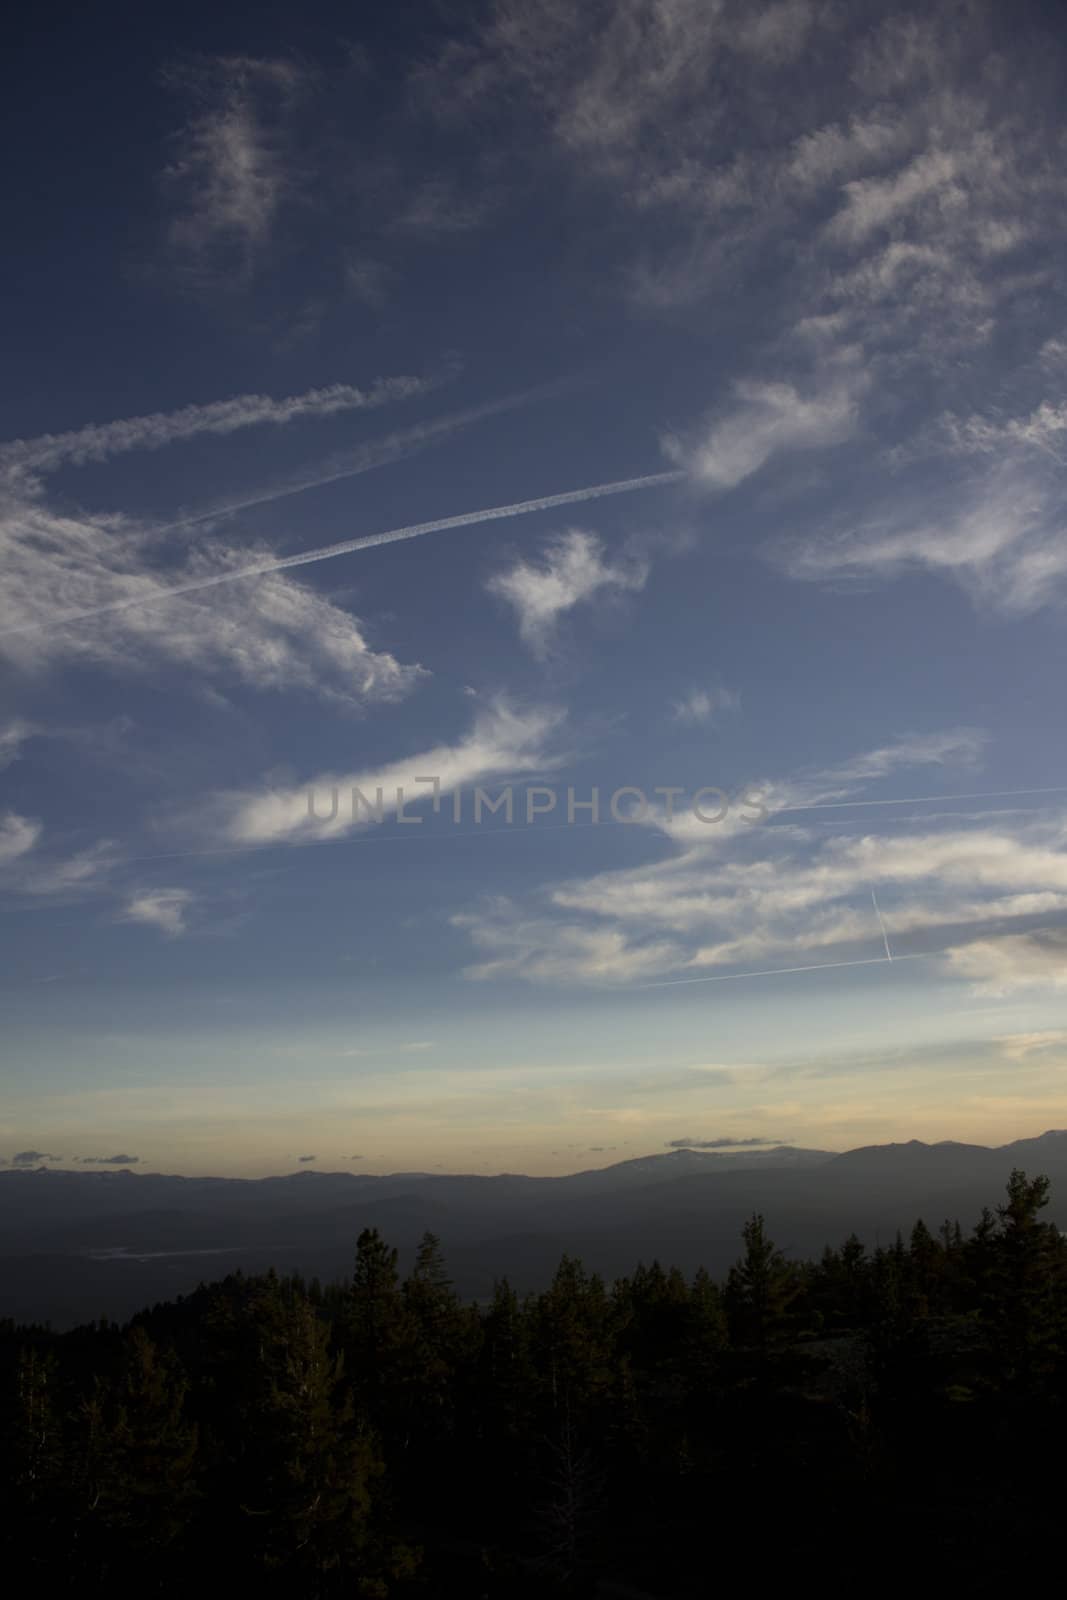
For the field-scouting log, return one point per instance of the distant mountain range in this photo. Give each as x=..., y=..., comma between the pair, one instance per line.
x=78, y=1245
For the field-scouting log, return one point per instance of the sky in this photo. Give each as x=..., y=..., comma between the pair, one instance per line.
x=661, y=400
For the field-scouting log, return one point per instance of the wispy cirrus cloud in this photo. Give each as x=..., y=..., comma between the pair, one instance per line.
x=13, y=735
x=1020, y=1046
x=73, y=874
x=770, y=419
x=81, y=586
x=98, y=442
x=960, y=748
x=28, y=868
x=165, y=909
x=1013, y=963
x=737, y=896
x=702, y=706
x=505, y=739
x=273, y=634
x=18, y=835
x=232, y=169
x=998, y=534
x=573, y=570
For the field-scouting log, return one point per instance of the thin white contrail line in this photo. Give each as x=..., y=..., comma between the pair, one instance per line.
x=917, y=799
x=881, y=924
x=365, y=458
x=415, y=530
x=773, y=972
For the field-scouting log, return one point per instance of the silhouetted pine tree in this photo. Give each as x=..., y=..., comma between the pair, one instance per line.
x=760, y=1289
x=1030, y=1275
x=308, y=1506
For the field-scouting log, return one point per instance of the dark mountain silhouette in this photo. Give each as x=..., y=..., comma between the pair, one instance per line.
x=77, y=1245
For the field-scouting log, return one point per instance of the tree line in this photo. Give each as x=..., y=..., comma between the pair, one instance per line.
x=842, y=1419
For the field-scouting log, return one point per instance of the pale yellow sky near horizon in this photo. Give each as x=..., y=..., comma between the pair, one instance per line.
x=542, y=1118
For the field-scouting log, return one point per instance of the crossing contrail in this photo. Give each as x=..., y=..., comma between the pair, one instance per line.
x=881, y=924
x=415, y=530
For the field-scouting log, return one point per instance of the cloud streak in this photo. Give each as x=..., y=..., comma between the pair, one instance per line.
x=97, y=442
x=503, y=740
x=725, y=1143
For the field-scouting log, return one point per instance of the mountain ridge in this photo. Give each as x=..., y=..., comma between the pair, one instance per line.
x=778, y=1155
x=75, y=1246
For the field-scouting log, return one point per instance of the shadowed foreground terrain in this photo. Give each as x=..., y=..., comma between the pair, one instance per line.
x=873, y=1416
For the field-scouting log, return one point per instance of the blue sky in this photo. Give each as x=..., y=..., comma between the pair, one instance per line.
x=279, y=284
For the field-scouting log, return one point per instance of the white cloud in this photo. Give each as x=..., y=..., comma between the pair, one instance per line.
x=546, y=950
x=1044, y=429
x=100, y=441
x=18, y=835
x=12, y=737
x=957, y=747
x=772, y=418
x=270, y=633
x=74, y=874
x=26, y=870
x=835, y=152
x=913, y=134
x=231, y=171
x=504, y=741
x=164, y=909
x=573, y=569
x=610, y=79
x=1000, y=534
x=1013, y=962
x=777, y=32
x=876, y=203
x=780, y=899
x=745, y=894
x=82, y=587
x=704, y=705
x=1020, y=1046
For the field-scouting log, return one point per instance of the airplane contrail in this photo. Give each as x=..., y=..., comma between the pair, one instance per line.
x=364, y=458
x=919, y=799
x=881, y=924
x=774, y=972
x=415, y=530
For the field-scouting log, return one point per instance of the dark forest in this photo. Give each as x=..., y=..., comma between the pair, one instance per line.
x=865, y=1418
